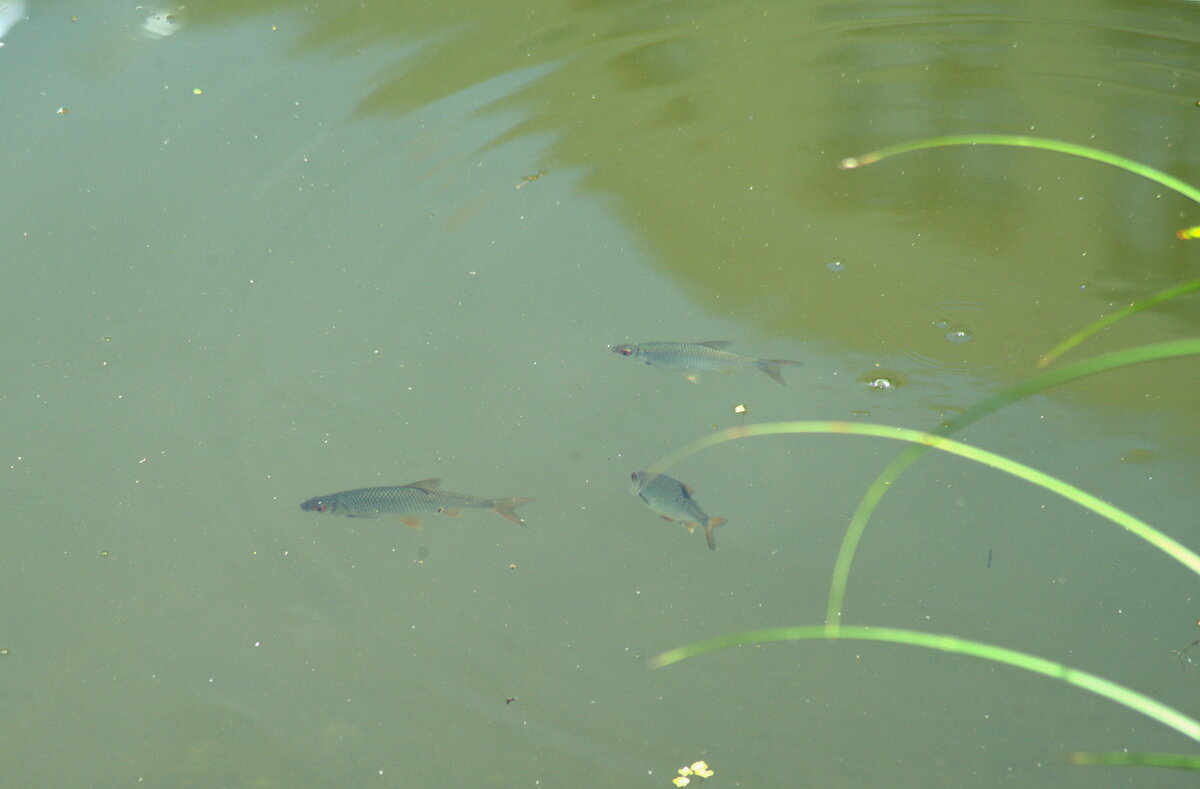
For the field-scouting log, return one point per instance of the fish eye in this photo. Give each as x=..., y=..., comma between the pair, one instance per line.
x=624, y=350
x=319, y=507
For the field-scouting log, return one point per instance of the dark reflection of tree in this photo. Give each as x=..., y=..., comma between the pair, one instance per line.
x=718, y=126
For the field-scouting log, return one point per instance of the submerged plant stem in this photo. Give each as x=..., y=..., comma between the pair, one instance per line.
x=1082, y=679
x=1179, y=761
x=1172, y=548
x=882, y=483
x=1081, y=335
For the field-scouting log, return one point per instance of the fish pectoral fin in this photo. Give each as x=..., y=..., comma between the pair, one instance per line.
x=687, y=489
x=411, y=522
x=667, y=519
x=690, y=526
x=427, y=485
x=453, y=512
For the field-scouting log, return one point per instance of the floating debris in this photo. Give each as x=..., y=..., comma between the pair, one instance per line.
x=161, y=22
x=694, y=770
x=530, y=178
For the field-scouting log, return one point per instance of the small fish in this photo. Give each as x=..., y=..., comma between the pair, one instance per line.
x=406, y=502
x=690, y=358
x=672, y=500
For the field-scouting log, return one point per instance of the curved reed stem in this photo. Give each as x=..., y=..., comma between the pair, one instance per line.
x=1177, y=761
x=882, y=483
x=1129, y=165
x=1132, y=699
x=1167, y=545
x=1106, y=321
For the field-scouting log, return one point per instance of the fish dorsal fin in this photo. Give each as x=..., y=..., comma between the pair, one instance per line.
x=427, y=485
x=687, y=489
x=715, y=344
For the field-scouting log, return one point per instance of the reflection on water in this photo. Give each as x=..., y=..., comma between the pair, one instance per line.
x=286, y=247
x=717, y=128
x=11, y=12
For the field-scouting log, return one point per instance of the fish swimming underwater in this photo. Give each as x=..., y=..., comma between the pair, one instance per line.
x=406, y=502
x=672, y=500
x=690, y=358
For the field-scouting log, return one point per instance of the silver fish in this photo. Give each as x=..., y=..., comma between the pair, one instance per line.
x=406, y=502
x=690, y=358
x=672, y=500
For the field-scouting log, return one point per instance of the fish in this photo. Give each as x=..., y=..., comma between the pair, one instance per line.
x=690, y=358
x=406, y=502
x=673, y=500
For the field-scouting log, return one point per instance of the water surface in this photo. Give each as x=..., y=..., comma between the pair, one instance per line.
x=259, y=252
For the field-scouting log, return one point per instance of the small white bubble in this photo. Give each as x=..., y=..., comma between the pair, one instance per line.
x=836, y=265
x=959, y=334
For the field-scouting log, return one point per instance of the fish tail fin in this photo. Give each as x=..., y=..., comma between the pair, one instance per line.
x=708, y=532
x=504, y=508
x=771, y=367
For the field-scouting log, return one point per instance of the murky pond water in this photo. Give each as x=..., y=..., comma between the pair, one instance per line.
x=260, y=252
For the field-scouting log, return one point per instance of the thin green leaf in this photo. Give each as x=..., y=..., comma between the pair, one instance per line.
x=1139, y=527
x=882, y=483
x=1108, y=320
x=1081, y=679
x=1137, y=168
x=1178, y=761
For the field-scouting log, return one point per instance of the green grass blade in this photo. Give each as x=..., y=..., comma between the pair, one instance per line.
x=1081, y=679
x=1183, y=188
x=1137, y=168
x=1122, y=758
x=1081, y=335
x=882, y=483
x=1139, y=527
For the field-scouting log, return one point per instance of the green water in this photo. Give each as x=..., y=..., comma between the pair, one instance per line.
x=287, y=249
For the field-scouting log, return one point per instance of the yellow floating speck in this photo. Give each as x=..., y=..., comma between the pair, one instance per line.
x=681, y=781
x=196, y=91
